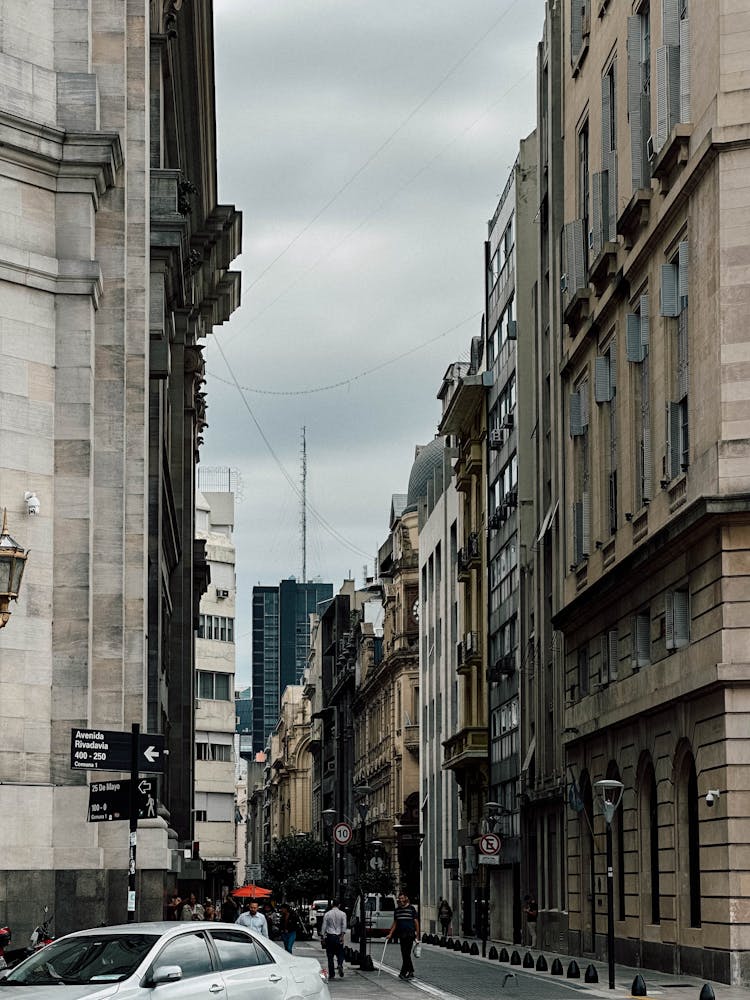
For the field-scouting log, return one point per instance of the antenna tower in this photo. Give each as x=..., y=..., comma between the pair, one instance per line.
x=303, y=511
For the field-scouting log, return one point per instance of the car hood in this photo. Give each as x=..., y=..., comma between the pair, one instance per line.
x=92, y=991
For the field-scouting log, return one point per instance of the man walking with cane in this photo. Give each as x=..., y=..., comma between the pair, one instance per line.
x=406, y=924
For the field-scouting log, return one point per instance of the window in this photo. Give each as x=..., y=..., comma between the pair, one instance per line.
x=674, y=304
x=610, y=656
x=605, y=389
x=505, y=734
x=238, y=951
x=677, y=618
x=190, y=952
x=216, y=627
x=213, y=686
x=583, y=185
x=583, y=671
x=579, y=431
x=604, y=201
x=639, y=95
x=213, y=752
x=641, y=639
x=637, y=351
x=580, y=27
x=672, y=72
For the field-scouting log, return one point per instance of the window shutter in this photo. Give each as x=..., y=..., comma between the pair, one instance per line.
x=667, y=92
x=669, y=619
x=610, y=197
x=597, y=233
x=576, y=424
x=577, y=532
x=584, y=393
x=602, y=379
x=682, y=271
x=645, y=321
x=635, y=80
x=612, y=355
x=685, y=110
x=681, y=606
x=604, y=654
x=673, y=440
x=633, y=345
x=613, y=653
x=670, y=22
x=646, y=480
x=643, y=637
x=683, y=371
x=573, y=237
x=586, y=523
x=669, y=303
x=576, y=29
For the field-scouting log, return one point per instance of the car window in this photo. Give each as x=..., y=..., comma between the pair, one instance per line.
x=86, y=959
x=386, y=903
x=264, y=956
x=190, y=952
x=236, y=951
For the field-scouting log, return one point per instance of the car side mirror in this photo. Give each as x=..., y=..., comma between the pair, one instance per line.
x=165, y=974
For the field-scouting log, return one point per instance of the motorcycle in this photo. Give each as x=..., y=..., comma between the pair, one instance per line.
x=42, y=934
x=5, y=937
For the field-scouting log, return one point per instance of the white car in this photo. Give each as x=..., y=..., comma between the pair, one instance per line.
x=196, y=960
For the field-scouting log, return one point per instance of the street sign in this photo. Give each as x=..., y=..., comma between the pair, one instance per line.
x=109, y=801
x=489, y=859
x=342, y=834
x=252, y=873
x=490, y=843
x=102, y=750
x=377, y=863
x=450, y=862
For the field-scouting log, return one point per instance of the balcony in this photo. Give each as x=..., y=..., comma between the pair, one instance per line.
x=634, y=216
x=411, y=739
x=468, y=746
x=673, y=155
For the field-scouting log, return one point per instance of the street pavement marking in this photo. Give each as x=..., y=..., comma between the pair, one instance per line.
x=418, y=984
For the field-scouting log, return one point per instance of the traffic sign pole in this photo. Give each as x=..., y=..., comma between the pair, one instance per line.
x=133, y=838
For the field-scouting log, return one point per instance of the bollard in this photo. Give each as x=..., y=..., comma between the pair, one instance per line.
x=515, y=958
x=638, y=989
x=528, y=960
x=457, y=945
x=465, y=948
x=366, y=964
x=426, y=938
x=474, y=948
x=449, y=942
x=493, y=956
x=541, y=964
x=504, y=956
x=443, y=942
x=573, y=971
x=591, y=975
x=707, y=993
x=557, y=968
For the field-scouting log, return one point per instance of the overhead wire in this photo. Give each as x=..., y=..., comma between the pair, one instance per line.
x=333, y=532
x=384, y=145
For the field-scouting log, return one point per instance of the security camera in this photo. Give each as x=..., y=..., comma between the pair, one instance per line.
x=32, y=503
x=711, y=796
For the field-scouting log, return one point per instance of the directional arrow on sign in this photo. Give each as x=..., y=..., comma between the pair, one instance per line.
x=151, y=754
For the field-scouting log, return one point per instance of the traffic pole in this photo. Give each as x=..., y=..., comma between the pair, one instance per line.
x=133, y=835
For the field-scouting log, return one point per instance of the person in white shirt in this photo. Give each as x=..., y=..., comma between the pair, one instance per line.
x=254, y=920
x=332, y=931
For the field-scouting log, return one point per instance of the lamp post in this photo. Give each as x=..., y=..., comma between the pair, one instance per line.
x=12, y=564
x=363, y=807
x=329, y=815
x=609, y=792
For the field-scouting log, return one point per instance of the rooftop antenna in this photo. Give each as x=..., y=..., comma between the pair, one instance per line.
x=303, y=511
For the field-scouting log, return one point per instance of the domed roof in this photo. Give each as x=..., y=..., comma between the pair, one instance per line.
x=428, y=459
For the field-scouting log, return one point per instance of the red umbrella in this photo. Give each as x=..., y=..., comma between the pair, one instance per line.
x=252, y=891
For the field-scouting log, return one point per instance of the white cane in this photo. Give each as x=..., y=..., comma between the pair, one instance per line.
x=382, y=957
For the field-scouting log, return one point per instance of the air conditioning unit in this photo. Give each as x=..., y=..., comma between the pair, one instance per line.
x=507, y=421
x=511, y=498
x=495, y=520
x=496, y=438
x=221, y=594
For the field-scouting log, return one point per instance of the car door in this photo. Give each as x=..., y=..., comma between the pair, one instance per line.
x=250, y=971
x=200, y=980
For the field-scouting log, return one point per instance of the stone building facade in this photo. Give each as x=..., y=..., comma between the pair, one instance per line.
x=290, y=773
x=655, y=509
x=115, y=257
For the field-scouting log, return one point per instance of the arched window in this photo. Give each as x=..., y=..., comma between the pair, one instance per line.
x=648, y=821
x=687, y=838
x=588, y=867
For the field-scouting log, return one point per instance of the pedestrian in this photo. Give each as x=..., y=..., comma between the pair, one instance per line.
x=229, y=910
x=174, y=906
x=253, y=919
x=532, y=912
x=209, y=912
x=406, y=925
x=332, y=932
x=289, y=924
x=192, y=909
x=444, y=915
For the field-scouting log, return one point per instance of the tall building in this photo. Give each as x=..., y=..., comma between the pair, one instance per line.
x=654, y=614
x=115, y=268
x=281, y=641
x=215, y=719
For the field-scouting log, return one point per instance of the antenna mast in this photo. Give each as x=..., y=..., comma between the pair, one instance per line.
x=303, y=511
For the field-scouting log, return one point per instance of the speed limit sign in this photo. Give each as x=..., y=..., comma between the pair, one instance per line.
x=342, y=834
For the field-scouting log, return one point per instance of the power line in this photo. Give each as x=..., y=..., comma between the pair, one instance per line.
x=333, y=532
x=353, y=378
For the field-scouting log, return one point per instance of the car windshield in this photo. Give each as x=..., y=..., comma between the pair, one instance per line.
x=85, y=959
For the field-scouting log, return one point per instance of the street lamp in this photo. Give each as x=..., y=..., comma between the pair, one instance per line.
x=12, y=564
x=609, y=792
x=329, y=815
x=363, y=807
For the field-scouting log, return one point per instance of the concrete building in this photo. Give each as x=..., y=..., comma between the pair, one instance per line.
x=115, y=256
x=510, y=255
x=438, y=688
x=281, y=641
x=654, y=514
x=464, y=422
x=215, y=719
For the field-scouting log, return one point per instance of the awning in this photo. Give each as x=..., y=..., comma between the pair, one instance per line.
x=529, y=755
x=548, y=519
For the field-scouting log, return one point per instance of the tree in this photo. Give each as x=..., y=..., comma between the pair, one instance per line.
x=298, y=867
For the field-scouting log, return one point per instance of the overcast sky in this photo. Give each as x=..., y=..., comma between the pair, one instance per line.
x=367, y=143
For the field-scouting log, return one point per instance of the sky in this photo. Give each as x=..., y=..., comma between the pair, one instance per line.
x=367, y=143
